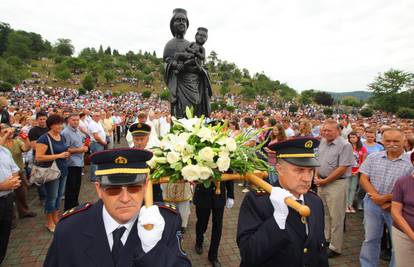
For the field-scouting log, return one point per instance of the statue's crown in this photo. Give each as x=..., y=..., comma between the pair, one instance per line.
x=202, y=29
x=180, y=10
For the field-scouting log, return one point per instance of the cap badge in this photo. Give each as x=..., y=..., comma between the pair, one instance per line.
x=139, y=125
x=309, y=144
x=121, y=160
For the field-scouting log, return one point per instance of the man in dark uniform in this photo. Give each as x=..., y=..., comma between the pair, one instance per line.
x=140, y=135
x=207, y=201
x=111, y=232
x=270, y=233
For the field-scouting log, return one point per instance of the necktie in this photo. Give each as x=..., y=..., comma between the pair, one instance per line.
x=298, y=220
x=117, y=246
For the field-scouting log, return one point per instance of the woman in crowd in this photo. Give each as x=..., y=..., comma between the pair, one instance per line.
x=278, y=134
x=371, y=144
x=234, y=128
x=402, y=212
x=360, y=153
x=305, y=128
x=56, y=188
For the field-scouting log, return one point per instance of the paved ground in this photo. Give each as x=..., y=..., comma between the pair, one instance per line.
x=29, y=242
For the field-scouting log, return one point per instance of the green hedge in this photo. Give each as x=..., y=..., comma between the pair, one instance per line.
x=366, y=112
x=328, y=111
x=405, y=113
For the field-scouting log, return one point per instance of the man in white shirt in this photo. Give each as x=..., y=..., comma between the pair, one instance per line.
x=98, y=139
x=117, y=121
x=118, y=230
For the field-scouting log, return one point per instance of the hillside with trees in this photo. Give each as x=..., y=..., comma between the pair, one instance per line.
x=28, y=57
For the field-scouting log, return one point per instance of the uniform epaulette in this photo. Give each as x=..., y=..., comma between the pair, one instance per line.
x=313, y=192
x=75, y=210
x=167, y=206
x=260, y=192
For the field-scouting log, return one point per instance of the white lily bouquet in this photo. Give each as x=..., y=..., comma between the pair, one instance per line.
x=196, y=152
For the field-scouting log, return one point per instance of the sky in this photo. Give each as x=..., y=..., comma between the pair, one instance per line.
x=330, y=45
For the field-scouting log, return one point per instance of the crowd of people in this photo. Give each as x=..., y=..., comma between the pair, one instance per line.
x=365, y=163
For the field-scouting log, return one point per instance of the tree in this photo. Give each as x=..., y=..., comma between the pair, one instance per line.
x=108, y=51
x=115, y=52
x=261, y=106
x=306, y=96
x=246, y=74
x=213, y=57
x=18, y=44
x=366, y=112
x=165, y=95
x=11, y=74
x=5, y=30
x=6, y=87
x=38, y=46
x=287, y=93
x=230, y=108
x=62, y=72
x=248, y=92
x=328, y=112
x=76, y=65
x=405, y=113
x=82, y=91
x=293, y=108
x=224, y=89
x=146, y=94
x=351, y=101
x=263, y=84
x=88, y=82
x=109, y=76
x=148, y=79
x=100, y=51
x=323, y=98
x=64, y=47
x=15, y=61
x=387, y=87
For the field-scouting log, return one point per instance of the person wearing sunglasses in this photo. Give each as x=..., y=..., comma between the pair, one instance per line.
x=111, y=232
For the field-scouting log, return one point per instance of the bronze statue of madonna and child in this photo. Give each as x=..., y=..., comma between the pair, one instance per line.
x=186, y=77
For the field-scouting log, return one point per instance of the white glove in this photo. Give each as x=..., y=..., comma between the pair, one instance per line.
x=281, y=210
x=229, y=203
x=150, y=238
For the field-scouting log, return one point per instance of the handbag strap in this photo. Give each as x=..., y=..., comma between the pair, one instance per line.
x=50, y=144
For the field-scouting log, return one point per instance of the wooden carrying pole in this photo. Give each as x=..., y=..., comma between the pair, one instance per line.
x=149, y=201
x=303, y=210
x=255, y=178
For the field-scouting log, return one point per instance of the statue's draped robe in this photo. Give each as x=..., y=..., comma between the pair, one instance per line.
x=190, y=87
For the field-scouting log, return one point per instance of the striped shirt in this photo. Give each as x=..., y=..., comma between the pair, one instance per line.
x=383, y=172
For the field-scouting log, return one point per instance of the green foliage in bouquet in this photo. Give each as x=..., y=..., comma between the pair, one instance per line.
x=194, y=151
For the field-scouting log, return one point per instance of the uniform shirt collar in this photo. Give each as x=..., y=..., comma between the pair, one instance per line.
x=111, y=225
